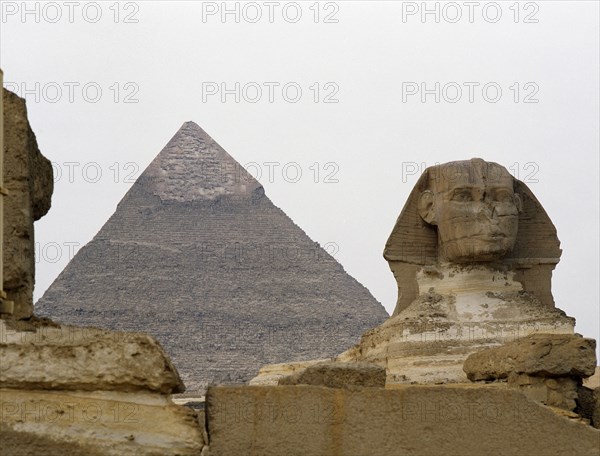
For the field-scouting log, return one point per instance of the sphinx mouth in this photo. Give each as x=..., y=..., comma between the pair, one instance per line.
x=493, y=236
x=484, y=236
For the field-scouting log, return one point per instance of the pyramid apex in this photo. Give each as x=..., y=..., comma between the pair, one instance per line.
x=193, y=166
x=193, y=129
x=190, y=124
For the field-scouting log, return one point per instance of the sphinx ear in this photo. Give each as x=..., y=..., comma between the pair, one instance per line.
x=518, y=202
x=427, y=207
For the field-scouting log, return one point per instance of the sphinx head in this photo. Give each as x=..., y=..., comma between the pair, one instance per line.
x=475, y=208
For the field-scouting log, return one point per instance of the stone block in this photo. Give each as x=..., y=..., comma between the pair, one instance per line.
x=407, y=420
x=546, y=355
x=585, y=402
x=101, y=423
x=39, y=354
x=558, y=392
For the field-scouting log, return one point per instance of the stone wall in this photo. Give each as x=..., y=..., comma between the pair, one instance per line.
x=407, y=420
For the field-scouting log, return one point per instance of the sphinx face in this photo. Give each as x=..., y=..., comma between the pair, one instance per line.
x=476, y=215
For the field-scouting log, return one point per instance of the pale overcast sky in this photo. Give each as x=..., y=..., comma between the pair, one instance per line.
x=357, y=96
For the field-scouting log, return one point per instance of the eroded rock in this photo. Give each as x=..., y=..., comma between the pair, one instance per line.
x=29, y=180
x=44, y=355
x=338, y=375
x=588, y=404
x=593, y=381
x=561, y=392
x=547, y=355
x=548, y=368
x=596, y=412
x=272, y=373
x=107, y=423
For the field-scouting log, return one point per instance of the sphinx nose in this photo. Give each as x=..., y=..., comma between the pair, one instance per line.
x=486, y=210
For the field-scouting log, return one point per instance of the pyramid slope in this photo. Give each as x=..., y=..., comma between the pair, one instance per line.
x=207, y=264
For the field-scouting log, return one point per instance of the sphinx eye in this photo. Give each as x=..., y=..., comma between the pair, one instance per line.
x=462, y=196
x=504, y=196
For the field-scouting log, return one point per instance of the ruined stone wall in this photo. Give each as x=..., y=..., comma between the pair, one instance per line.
x=29, y=181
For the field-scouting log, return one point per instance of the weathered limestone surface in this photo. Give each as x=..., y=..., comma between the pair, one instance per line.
x=44, y=355
x=588, y=404
x=596, y=412
x=272, y=373
x=460, y=310
x=29, y=181
x=547, y=355
x=87, y=391
x=588, y=398
x=547, y=367
x=199, y=257
x=561, y=392
x=107, y=423
x=338, y=375
x=593, y=381
x=407, y=420
x=30, y=444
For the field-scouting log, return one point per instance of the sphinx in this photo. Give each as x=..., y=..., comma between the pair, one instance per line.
x=472, y=253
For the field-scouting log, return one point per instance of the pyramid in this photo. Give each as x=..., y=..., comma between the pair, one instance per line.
x=199, y=257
